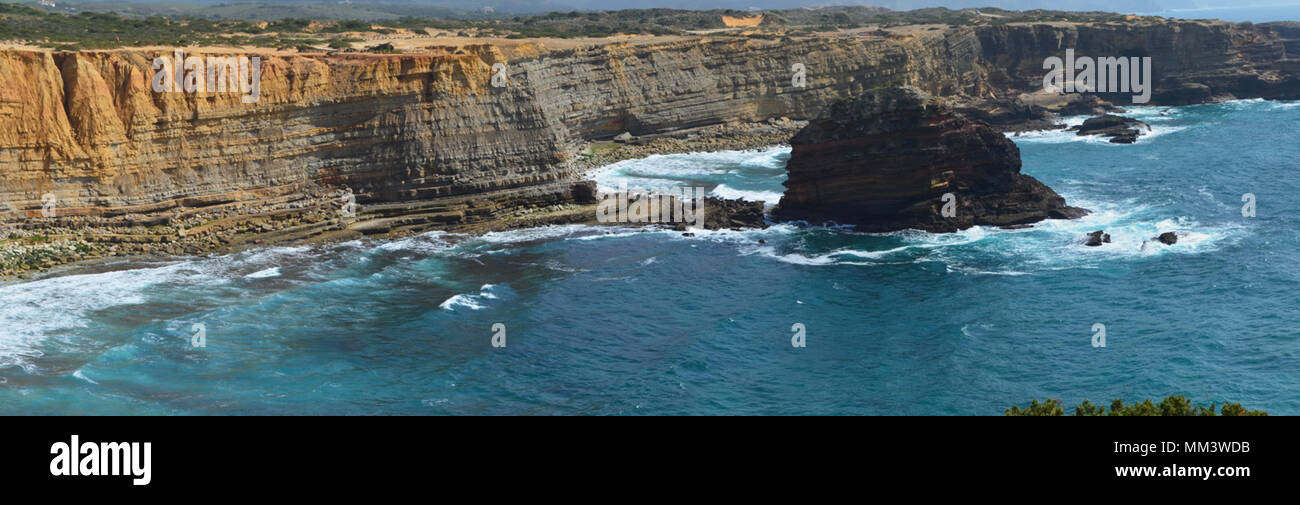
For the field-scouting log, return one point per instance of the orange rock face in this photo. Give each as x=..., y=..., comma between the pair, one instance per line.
x=89, y=128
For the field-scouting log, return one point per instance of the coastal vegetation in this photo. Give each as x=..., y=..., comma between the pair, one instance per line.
x=94, y=29
x=1174, y=405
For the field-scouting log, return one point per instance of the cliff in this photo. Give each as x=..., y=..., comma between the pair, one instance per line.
x=425, y=141
x=1229, y=60
x=887, y=160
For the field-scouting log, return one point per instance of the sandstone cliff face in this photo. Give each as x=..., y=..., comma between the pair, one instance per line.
x=886, y=160
x=88, y=128
x=599, y=92
x=422, y=140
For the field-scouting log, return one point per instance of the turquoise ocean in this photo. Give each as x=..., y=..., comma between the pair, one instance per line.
x=641, y=321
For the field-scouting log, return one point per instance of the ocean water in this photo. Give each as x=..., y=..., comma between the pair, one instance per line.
x=628, y=321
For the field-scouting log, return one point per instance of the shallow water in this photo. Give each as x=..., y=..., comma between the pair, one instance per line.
x=631, y=322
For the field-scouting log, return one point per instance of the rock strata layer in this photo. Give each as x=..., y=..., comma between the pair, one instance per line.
x=896, y=158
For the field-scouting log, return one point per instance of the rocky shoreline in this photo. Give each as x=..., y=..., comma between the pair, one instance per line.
x=313, y=215
x=425, y=142
x=43, y=244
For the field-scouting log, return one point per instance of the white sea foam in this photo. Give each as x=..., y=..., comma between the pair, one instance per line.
x=795, y=258
x=263, y=274
x=730, y=193
x=35, y=310
x=460, y=301
x=78, y=374
x=538, y=234
x=1153, y=116
x=471, y=301
x=429, y=242
x=668, y=171
x=1049, y=245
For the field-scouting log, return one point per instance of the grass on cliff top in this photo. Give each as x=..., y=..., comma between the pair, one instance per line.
x=1174, y=405
x=201, y=25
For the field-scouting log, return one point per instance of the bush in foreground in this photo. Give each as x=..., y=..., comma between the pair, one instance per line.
x=1174, y=405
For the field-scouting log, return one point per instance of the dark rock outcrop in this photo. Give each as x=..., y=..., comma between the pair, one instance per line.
x=1120, y=129
x=1097, y=238
x=1167, y=238
x=1189, y=93
x=733, y=214
x=584, y=192
x=886, y=161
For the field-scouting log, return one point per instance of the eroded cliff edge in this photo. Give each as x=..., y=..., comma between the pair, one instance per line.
x=425, y=141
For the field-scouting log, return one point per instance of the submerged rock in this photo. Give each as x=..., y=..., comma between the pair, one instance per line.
x=1187, y=93
x=1120, y=129
x=720, y=213
x=1097, y=238
x=736, y=214
x=890, y=159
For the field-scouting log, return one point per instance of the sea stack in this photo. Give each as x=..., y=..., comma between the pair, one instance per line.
x=888, y=159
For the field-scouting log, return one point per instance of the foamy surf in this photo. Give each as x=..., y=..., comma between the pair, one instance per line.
x=754, y=175
x=727, y=192
x=264, y=274
x=35, y=310
x=477, y=301
x=1047, y=246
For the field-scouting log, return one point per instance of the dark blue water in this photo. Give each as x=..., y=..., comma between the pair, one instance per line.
x=658, y=323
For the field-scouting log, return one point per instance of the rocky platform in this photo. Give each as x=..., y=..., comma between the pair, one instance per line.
x=886, y=160
x=1119, y=129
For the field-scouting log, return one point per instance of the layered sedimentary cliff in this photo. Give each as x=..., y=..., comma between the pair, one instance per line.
x=894, y=158
x=423, y=140
x=426, y=140
x=1212, y=59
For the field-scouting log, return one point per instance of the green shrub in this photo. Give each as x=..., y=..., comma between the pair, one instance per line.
x=1173, y=405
